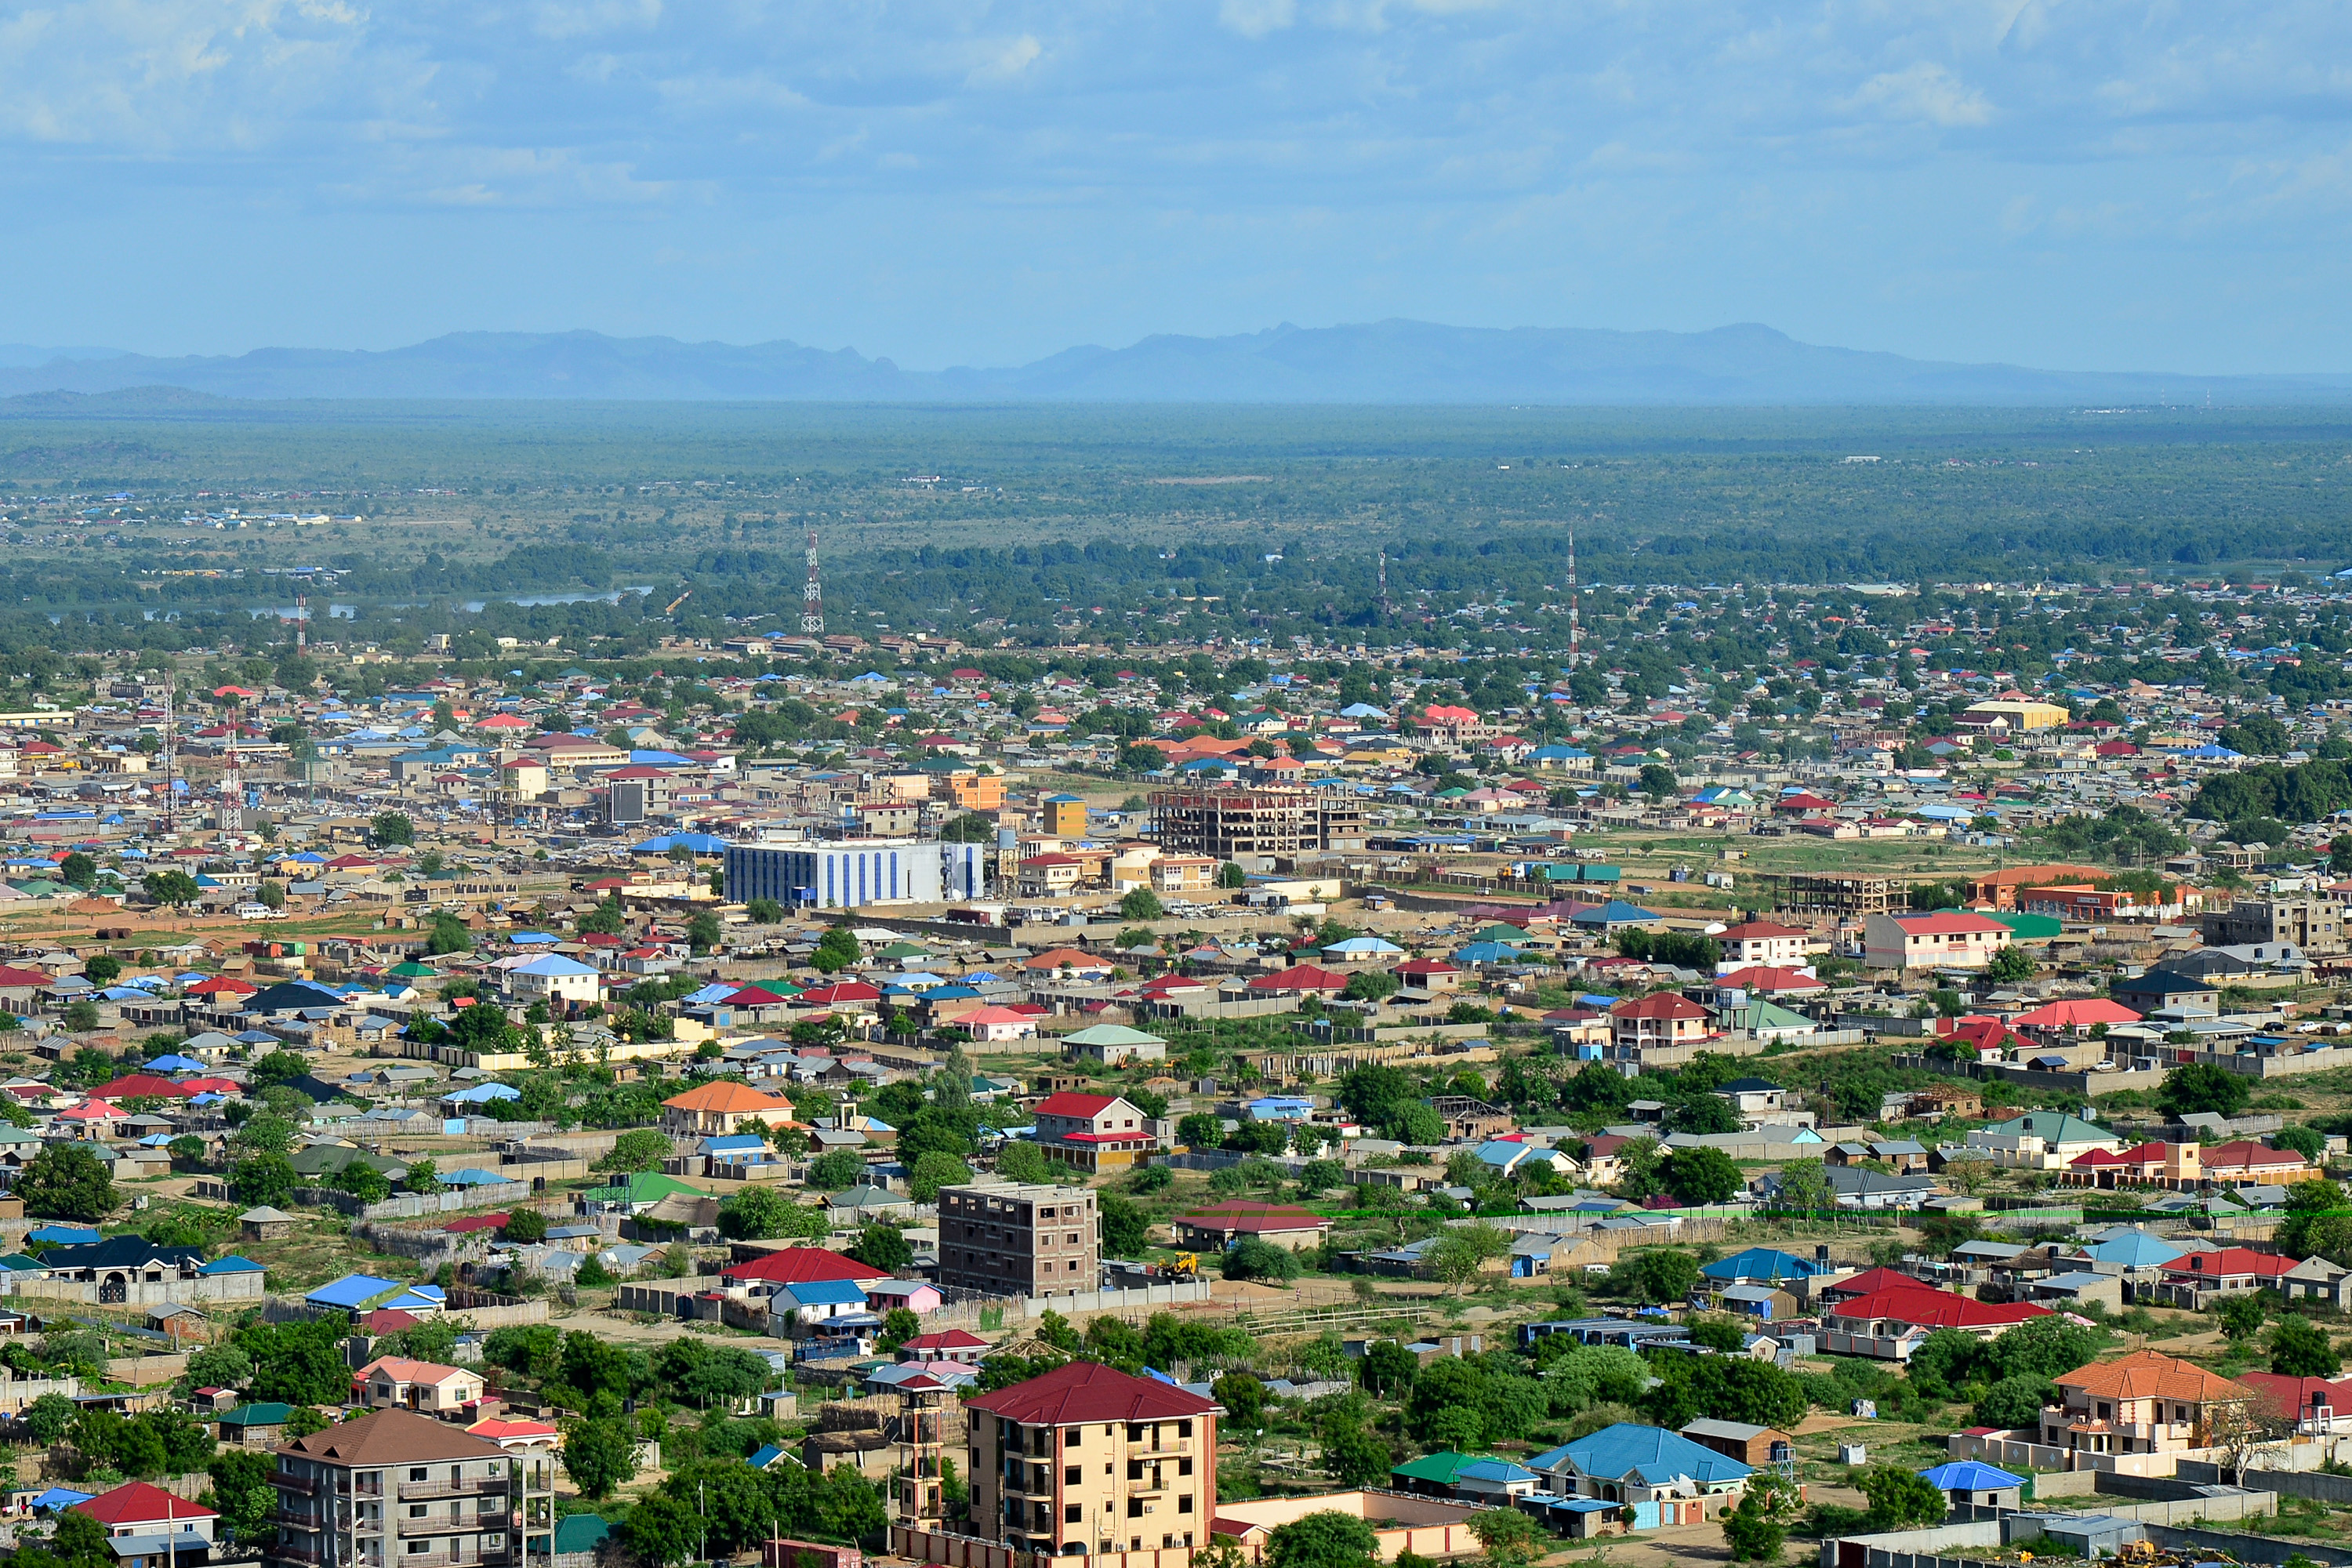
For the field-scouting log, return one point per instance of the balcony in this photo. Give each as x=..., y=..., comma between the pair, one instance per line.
x=293, y=1519
x=418, y=1492
x=307, y=1486
x=1030, y=1480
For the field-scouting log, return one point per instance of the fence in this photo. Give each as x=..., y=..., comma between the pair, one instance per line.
x=968, y=1551
x=414, y=1205
x=138, y=1371
x=1117, y=1300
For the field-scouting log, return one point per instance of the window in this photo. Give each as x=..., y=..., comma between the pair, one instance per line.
x=1072, y=1513
x=418, y=1474
x=1184, y=1503
x=1070, y=1441
x=1135, y=1508
x=416, y=1510
x=419, y=1547
x=1074, y=1475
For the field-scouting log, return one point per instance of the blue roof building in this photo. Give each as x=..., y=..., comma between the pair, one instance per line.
x=1969, y=1481
x=1631, y=1464
x=1759, y=1265
x=353, y=1292
x=2133, y=1249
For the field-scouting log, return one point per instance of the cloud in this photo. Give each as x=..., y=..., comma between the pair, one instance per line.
x=1007, y=61
x=1257, y=18
x=1926, y=92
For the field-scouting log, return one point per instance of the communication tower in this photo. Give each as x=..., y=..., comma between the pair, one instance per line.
x=1384, y=585
x=1575, y=629
x=301, y=624
x=813, y=596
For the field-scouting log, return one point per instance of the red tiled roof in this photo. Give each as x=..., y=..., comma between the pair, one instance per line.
x=136, y=1502
x=1927, y=1307
x=14, y=978
x=2246, y=1152
x=1299, y=977
x=1083, y=1107
x=2230, y=1262
x=802, y=1265
x=947, y=1339
x=1947, y=923
x=139, y=1085
x=1084, y=1390
x=1664, y=1005
x=2076, y=1011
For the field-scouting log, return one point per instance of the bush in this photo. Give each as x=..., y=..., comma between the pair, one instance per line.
x=1256, y=1258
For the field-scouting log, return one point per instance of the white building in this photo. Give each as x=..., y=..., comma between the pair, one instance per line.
x=850, y=873
x=553, y=977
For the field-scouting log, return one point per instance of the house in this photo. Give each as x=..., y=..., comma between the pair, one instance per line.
x=252, y=1426
x=1096, y=1133
x=2166, y=989
x=1111, y=1044
x=1754, y=1097
x=1762, y=942
x=2173, y=1165
x=1759, y=1266
x=952, y=1345
x=266, y=1223
x=1223, y=1226
x=1890, y=1324
x=2249, y=1163
x=1946, y=940
x=147, y=1526
x=1664, y=1018
x=2197, y=1280
x=1754, y=1447
x=1856, y=1187
x=721, y=1107
x=2041, y=1140
x=2144, y=1402
x=132, y=1270
x=415, y=1466
x=427, y=1387
x=2317, y=1279
x=916, y=1296
x=1685, y=1482
x=1970, y=1483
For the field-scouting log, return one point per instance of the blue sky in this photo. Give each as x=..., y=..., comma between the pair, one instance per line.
x=2082, y=183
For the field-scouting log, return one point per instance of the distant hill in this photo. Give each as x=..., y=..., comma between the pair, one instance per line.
x=1393, y=362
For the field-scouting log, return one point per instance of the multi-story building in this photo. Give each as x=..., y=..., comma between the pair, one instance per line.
x=396, y=1383
x=1950, y=939
x=1762, y=941
x=1229, y=823
x=1088, y=1460
x=2314, y=922
x=1019, y=1239
x=396, y=1490
x=1092, y=1132
x=2145, y=1403
x=849, y=873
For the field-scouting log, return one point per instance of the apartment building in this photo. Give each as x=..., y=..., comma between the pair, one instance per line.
x=1017, y=1239
x=1950, y=939
x=1227, y=822
x=2313, y=922
x=397, y=1489
x=2145, y=1403
x=1086, y=1461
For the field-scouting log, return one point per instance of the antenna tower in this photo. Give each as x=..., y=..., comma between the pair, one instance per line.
x=170, y=682
x=1384, y=585
x=813, y=596
x=302, y=623
x=1575, y=629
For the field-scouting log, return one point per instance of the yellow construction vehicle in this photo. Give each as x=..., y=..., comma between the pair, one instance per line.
x=1186, y=1266
x=674, y=604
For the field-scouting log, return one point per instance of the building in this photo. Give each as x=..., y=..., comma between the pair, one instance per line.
x=840, y=874
x=1762, y=942
x=396, y=1487
x=2312, y=922
x=1631, y=1464
x=2244, y=1163
x=1846, y=897
x=2041, y=1140
x=1111, y=1044
x=2195, y=1280
x=1223, y=1226
x=2145, y=1403
x=1019, y=1240
x=2014, y=714
x=1228, y=822
x=1086, y=1461
x=554, y=978
x=1063, y=815
x=1950, y=939
x=1092, y=1132
x=391, y=1382
x=1664, y=1018
x=130, y=1270
x=718, y=1108
x=147, y=1526
x=1890, y=1324
x=1755, y=1447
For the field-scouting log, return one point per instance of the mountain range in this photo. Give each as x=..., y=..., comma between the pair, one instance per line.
x=1391, y=362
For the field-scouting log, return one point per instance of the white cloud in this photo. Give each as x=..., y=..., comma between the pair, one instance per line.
x=1257, y=18
x=1925, y=91
x=1006, y=61
x=587, y=18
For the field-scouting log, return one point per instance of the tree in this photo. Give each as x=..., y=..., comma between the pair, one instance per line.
x=297, y=1364
x=78, y=870
x=1804, y=1189
x=1141, y=904
x=1021, y=1161
x=883, y=1247
x=2010, y=965
x=1242, y=1396
x=526, y=1225
x=2298, y=1348
x=2241, y=1316
x=1461, y=1252
x=1702, y=1175
x=1124, y=1231
x=1325, y=1538
x=65, y=1181
x=1658, y=1274
x=1756, y=1528
x=2199, y=1085
x=1200, y=1130
x=171, y=886
x=1899, y=1497
x=599, y=1455
x=763, y=1214
x=2015, y=1401
x=1510, y=1537
x=80, y=1017
x=836, y=950
x=262, y=1179
x=392, y=827
x=447, y=934
x=1255, y=1258
x=835, y=1169
x=640, y=1149
x=704, y=931
x=1387, y=1370
x=1352, y=1455
x=934, y=1171
x=424, y=1176
x=102, y=970
x=50, y=1417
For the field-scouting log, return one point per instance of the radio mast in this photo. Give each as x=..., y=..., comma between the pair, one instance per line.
x=301, y=624
x=1574, y=628
x=813, y=596
x=170, y=682
x=1385, y=585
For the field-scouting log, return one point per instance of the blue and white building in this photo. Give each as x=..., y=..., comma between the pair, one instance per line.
x=852, y=873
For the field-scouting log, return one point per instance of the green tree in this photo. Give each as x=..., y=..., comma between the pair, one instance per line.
x=1659, y=1274
x=1126, y=1232
x=1756, y=1528
x=1353, y=1456
x=1324, y=1538
x=78, y=870
x=2241, y=1316
x=599, y=1455
x=79, y=1016
x=448, y=934
x=835, y=1169
x=760, y=1213
x=704, y=931
x=1255, y=1258
x=66, y=1181
x=297, y=1364
x=102, y=970
x=50, y=1417
x=525, y=1226
x=171, y=886
x=640, y=1149
x=836, y=950
x=1141, y=904
x=899, y=1325
x=2299, y=1349
x=2015, y=1401
x=1901, y=1498
x=764, y=911
x=2199, y=1085
x=1244, y=1397
x=883, y=1247
x=934, y=1171
x=1702, y=1175
x=389, y=828
x=1510, y=1537
x=1021, y=1161
x=1387, y=1370
x=1462, y=1252
x=262, y=1179
x=1231, y=875
x=2010, y=965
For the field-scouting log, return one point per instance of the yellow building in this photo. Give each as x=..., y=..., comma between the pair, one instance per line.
x=1086, y=1461
x=1065, y=815
x=2024, y=715
x=976, y=792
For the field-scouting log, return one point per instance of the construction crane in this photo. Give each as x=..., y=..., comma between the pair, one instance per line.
x=671, y=607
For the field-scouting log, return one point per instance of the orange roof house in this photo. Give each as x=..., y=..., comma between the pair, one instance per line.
x=719, y=1108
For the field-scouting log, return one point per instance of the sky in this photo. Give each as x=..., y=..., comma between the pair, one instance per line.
x=2069, y=183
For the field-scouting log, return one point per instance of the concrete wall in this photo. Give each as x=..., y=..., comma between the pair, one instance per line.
x=1117, y=1300
x=966, y=1552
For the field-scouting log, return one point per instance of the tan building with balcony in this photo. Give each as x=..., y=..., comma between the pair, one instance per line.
x=395, y=1382
x=2145, y=1403
x=1086, y=1461
x=397, y=1489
